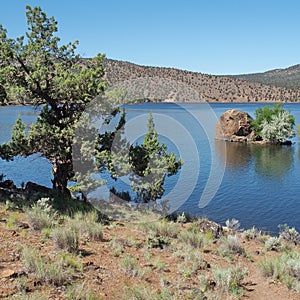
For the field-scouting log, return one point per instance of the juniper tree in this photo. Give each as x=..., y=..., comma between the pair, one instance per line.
x=151, y=163
x=52, y=75
x=147, y=164
x=36, y=69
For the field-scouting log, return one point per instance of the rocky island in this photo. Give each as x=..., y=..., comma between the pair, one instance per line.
x=271, y=126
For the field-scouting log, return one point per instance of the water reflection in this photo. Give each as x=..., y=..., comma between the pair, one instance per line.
x=275, y=161
x=269, y=160
x=235, y=155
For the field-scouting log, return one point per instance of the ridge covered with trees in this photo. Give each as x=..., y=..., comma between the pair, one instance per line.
x=211, y=88
x=280, y=85
x=288, y=77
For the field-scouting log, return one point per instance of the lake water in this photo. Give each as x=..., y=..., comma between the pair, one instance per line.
x=258, y=185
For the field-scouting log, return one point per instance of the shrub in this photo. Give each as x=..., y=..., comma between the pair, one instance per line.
x=232, y=224
x=292, y=263
x=41, y=214
x=196, y=237
x=232, y=245
x=162, y=228
x=159, y=264
x=117, y=247
x=157, y=241
x=129, y=264
x=289, y=234
x=193, y=266
x=181, y=218
x=279, y=129
x=67, y=238
x=272, y=268
x=274, y=124
x=93, y=231
x=10, y=205
x=88, y=226
x=45, y=272
x=250, y=234
x=143, y=293
x=81, y=291
x=293, y=267
x=46, y=233
x=274, y=244
x=285, y=268
x=12, y=219
x=72, y=261
x=230, y=280
x=140, y=292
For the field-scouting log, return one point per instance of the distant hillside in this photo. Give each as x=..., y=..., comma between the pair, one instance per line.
x=289, y=77
x=169, y=84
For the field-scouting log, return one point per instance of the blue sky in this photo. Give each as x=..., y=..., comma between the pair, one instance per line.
x=211, y=36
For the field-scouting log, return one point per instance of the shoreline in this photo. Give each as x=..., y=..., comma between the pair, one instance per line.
x=174, y=102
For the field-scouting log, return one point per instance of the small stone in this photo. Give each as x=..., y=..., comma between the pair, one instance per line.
x=7, y=273
x=87, y=263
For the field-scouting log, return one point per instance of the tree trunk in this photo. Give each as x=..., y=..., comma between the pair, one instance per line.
x=62, y=173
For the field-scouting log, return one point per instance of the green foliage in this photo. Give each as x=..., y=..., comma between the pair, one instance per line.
x=140, y=292
x=288, y=78
x=157, y=241
x=231, y=245
x=273, y=267
x=12, y=220
x=45, y=272
x=289, y=234
x=274, y=244
x=230, y=280
x=46, y=233
x=70, y=260
x=117, y=247
x=274, y=124
x=194, y=239
x=251, y=233
x=285, y=268
x=81, y=291
x=88, y=226
x=18, y=144
x=41, y=215
x=232, y=224
x=129, y=264
x=151, y=163
x=147, y=164
x=40, y=69
x=162, y=228
x=67, y=238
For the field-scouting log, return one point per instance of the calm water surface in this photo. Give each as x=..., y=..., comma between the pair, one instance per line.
x=260, y=186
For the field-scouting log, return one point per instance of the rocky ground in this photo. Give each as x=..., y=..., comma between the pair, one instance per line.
x=140, y=258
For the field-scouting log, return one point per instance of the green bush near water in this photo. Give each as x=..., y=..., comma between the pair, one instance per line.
x=274, y=124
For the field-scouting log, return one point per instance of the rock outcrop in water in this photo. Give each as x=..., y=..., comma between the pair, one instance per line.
x=235, y=126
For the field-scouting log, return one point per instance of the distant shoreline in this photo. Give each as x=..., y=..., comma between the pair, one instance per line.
x=174, y=102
